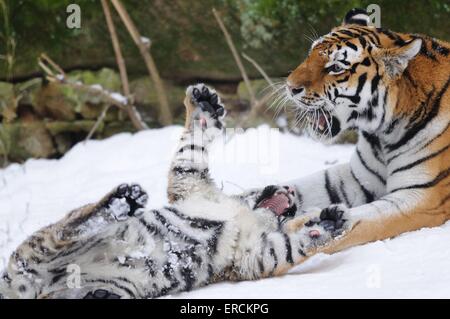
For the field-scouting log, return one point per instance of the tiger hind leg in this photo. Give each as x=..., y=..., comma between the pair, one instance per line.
x=26, y=272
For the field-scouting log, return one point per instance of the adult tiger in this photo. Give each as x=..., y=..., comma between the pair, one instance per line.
x=394, y=89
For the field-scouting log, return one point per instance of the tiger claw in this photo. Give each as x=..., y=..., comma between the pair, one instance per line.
x=207, y=107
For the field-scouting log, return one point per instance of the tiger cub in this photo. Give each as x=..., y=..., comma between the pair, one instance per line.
x=119, y=249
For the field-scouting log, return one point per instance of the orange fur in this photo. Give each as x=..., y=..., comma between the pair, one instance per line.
x=407, y=93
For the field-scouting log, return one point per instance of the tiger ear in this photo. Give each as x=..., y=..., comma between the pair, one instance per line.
x=395, y=60
x=357, y=16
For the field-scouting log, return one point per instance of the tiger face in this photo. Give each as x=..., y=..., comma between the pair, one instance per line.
x=343, y=82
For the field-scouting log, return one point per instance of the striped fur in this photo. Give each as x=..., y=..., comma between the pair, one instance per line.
x=393, y=88
x=120, y=249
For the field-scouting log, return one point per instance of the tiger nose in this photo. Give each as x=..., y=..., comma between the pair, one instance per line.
x=296, y=90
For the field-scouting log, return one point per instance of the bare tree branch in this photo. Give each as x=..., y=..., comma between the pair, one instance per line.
x=259, y=68
x=236, y=57
x=116, y=46
x=97, y=123
x=108, y=97
x=52, y=64
x=164, y=112
x=135, y=118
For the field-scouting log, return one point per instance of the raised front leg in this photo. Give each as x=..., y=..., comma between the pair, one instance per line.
x=390, y=216
x=340, y=184
x=189, y=170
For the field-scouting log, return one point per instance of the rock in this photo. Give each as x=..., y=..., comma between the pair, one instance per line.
x=144, y=92
x=56, y=102
x=59, y=127
x=25, y=140
x=117, y=127
x=44, y=139
x=27, y=91
x=145, y=96
x=63, y=143
x=36, y=140
x=107, y=78
x=90, y=105
x=61, y=102
x=141, y=88
x=90, y=111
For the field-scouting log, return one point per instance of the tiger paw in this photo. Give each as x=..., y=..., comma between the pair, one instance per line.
x=330, y=224
x=204, y=108
x=125, y=201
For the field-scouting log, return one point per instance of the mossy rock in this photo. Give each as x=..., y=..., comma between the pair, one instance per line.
x=56, y=102
x=43, y=139
x=6, y=90
x=90, y=104
x=26, y=91
x=25, y=140
x=117, y=127
x=36, y=140
x=145, y=93
x=63, y=143
x=62, y=102
x=90, y=111
x=145, y=96
x=107, y=78
x=59, y=127
x=83, y=127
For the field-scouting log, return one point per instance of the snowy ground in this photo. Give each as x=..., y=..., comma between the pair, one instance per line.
x=32, y=195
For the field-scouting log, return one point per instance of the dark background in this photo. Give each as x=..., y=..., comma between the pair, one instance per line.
x=187, y=45
x=187, y=42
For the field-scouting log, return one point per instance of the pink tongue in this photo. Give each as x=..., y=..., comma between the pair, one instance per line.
x=322, y=120
x=277, y=203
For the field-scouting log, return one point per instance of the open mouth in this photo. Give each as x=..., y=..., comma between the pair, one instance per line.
x=319, y=121
x=277, y=201
x=323, y=123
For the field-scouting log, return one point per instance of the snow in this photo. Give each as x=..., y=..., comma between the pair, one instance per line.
x=145, y=40
x=39, y=192
x=114, y=95
x=119, y=98
x=97, y=87
x=119, y=208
